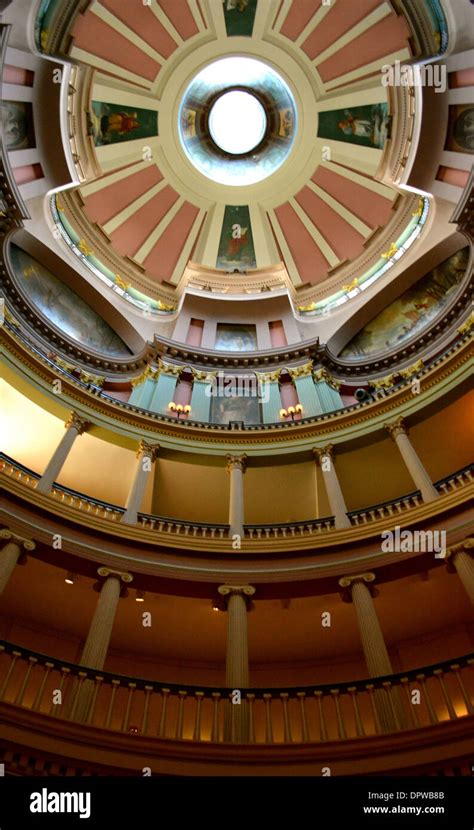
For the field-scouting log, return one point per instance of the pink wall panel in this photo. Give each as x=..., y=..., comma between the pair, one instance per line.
x=368, y=206
x=108, y=202
x=162, y=259
x=339, y=19
x=345, y=241
x=27, y=173
x=309, y=259
x=146, y=25
x=195, y=332
x=98, y=38
x=298, y=17
x=463, y=77
x=277, y=334
x=180, y=16
x=17, y=75
x=387, y=36
x=130, y=236
x=450, y=175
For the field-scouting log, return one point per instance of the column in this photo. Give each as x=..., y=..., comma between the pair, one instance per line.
x=308, y=396
x=238, y=603
x=100, y=630
x=325, y=458
x=10, y=554
x=359, y=591
x=201, y=395
x=74, y=426
x=327, y=390
x=461, y=561
x=143, y=388
x=96, y=646
x=236, y=465
x=165, y=387
x=146, y=457
x=398, y=432
x=270, y=396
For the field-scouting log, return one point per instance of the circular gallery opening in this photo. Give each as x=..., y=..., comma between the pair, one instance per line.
x=237, y=122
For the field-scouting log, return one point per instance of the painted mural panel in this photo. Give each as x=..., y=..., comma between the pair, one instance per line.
x=368, y=125
x=239, y=17
x=63, y=307
x=17, y=125
x=112, y=123
x=460, y=136
x=236, y=248
x=411, y=312
x=236, y=337
x=235, y=408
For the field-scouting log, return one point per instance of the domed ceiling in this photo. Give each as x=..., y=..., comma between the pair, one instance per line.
x=237, y=136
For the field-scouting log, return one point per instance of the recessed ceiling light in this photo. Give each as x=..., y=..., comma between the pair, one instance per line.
x=140, y=597
x=70, y=578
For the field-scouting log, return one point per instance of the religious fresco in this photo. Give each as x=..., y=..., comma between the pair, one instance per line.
x=17, y=125
x=460, y=136
x=63, y=308
x=413, y=311
x=236, y=337
x=236, y=248
x=239, y=17
x=112, y=123
x=367, y=125
x=235, y=408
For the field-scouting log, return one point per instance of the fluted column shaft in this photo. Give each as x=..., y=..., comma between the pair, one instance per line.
x=74, y=426
x=374, y=648
x=236, y=468
x=462, y=562
x=337, y=504
x=237, y=658
x=100, y=629
x=412, y=461
x=10, y=555
x=146, y=457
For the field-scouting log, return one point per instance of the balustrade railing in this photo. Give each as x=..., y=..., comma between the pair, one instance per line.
x=287, y=715
x=253, y=532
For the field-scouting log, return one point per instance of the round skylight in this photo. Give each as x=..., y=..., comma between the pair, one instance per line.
x=237, y=122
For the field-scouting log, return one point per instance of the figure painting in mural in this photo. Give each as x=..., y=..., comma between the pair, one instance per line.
x=236, y=337
x=367, y=125
x=63, y=308
x=461, y=128
x=17, y=125
x=286, y=123
x=236, y=248
x=411, y=312
x=112, y=123
x=239, y=17
x=235, y=408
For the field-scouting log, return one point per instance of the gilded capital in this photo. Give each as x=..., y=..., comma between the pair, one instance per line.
x=245, y=591
x=323, y=452
x=238, y=462
x=322, y=376
x=122, y=575
x=146, y=450
x=76, y=422
x=170, y=369
x=301, y=371
x=9, y=536
x=396, y=427
x=348, y=582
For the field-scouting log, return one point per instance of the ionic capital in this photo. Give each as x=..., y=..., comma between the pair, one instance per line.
x=146, y=450
x=123, y=576
x=76, y=422
x=348, y=582
x=236, y=462
x=245, y=591
x=9, y=536
x=397, y=427
x=459, y=547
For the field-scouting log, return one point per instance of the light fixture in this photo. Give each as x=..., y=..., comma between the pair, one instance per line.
x=215, y=606
x=178, y=409
x=291, y=411
x=140, y=597
x=70, y=578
